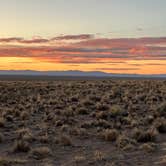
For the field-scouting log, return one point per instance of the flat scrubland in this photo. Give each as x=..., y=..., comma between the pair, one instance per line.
x=83, y=123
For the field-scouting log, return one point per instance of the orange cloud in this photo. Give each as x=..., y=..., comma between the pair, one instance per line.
x=88, y=51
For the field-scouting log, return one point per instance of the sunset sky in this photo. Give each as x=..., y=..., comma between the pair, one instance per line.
x=115, y=36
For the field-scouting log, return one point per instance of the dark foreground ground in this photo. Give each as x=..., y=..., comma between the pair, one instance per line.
x=83, y=123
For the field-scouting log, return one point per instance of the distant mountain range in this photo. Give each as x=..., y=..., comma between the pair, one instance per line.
x=75, y=73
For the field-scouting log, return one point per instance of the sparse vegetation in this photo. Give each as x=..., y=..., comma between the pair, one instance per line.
x=99, y=156
x=1, y=137
x=161, y=109
x=24, y=115
x=64, y=140
x=40, y=153
x=78, y=122
x=124, y=142
x=148, y=147
x=145, y=136
x=110, y=135
x=21, y=146
x=116, y=110
x=2, y=122
x=161, y=126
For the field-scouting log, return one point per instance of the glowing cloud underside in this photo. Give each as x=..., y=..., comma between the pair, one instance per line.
x=85, y=52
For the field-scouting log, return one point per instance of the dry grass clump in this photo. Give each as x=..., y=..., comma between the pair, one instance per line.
x=79, y=159
x=78, y=131
x=74, y=99
x=99, y=156
x=161, y=110
x=25, y=134
x=49, y=117
x=126, y=121
x=1, y=137
x=6, y=161
x=17, y=113
x=68, y=112
x=125, y=143
x=101, y=123
x=145, y=136
x=87, y=102
x=64, y=140
x=9, y=118
x=44, y=139
x=116, y=110
x=149, y=119
x=102, y=107
x=148, y=147
x=40, y=153
x=2, y=122
x=21, y=146
x=95, y=98
x=82, y=111
x=24, y=115
x=101, y=115
x=87, y=124
x=65, y=128
x=161, y=126
x=110, y=135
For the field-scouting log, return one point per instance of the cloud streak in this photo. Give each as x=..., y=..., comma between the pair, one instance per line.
x=118, y=69
x=87, y=50
x=74, y=37
x=40, y=40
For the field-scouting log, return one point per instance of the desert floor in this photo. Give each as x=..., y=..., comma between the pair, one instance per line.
x=83, y=122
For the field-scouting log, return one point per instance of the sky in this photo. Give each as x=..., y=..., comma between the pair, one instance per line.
x=115, y=36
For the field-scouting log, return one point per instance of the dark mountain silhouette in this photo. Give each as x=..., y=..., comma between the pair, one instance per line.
x=75, y=73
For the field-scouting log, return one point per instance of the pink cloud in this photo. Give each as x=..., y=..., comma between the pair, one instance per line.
x=99, y=50
x=33, y=41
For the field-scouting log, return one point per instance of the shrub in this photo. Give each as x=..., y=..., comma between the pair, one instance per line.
x=79, y=159
x=82, y=111
x=102, y=107
x=101, y=123
x=117, y=111
x=24, y=115
x=124, y=142
x=78, y=131
x=44, y=139
x=2, y=122
x=40, y=153
x=161, y=126
x=94, y=98
x=74, y=98
x=110, y=135
x=99, y=156
x=9, y=118
x=101, y=115
x=162, y=109
x=87, y=102
x=65, y=128
x=25, y=134
x=68, y=113
x=21, y=146
x=6, y=161
x=144, y=136
x=148, y=147
x=1, y=137
x=64, y=140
